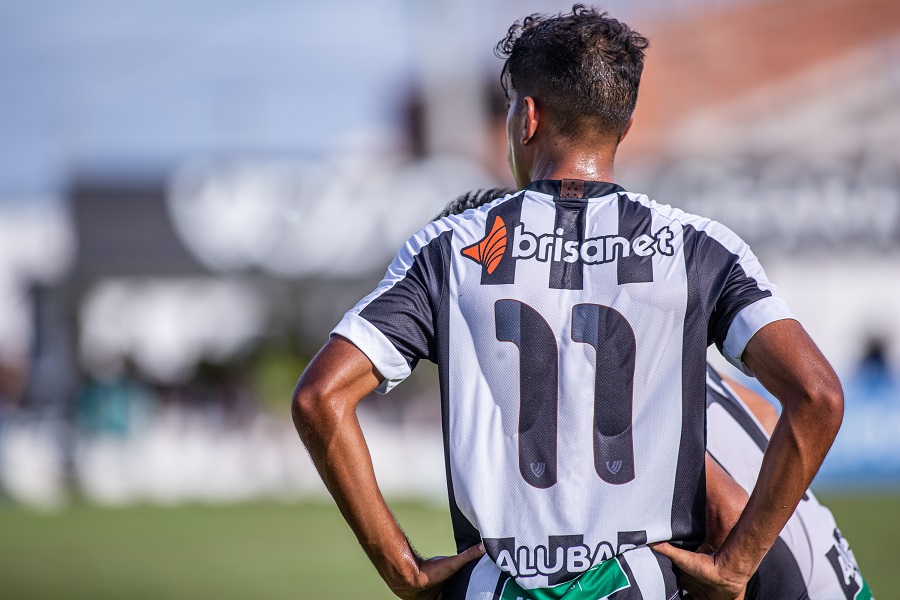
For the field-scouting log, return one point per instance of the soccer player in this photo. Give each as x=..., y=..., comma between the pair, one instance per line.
x=570, y=323
x=810, y=559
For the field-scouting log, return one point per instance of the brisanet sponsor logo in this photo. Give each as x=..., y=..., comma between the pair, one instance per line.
x=592, y=251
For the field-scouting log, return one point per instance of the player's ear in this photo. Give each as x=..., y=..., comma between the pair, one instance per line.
x=531, y=120
x=627, y=129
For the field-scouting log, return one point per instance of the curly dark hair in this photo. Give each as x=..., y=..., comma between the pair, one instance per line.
x=584, y=67
x=472, y=199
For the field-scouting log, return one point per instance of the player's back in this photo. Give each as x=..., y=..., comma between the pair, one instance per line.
x=576, y=337
x=569, y=322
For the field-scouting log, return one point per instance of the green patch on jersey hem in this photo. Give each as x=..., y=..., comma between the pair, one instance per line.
x=865, y=593
x=597, y=582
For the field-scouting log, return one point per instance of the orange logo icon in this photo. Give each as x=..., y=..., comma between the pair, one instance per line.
x=490, y=249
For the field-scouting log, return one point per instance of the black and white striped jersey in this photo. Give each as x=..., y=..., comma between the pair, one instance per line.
x=811, y=555
x=570, y=323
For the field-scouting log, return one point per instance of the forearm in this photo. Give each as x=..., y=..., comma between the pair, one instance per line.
x=324, y=413
x=725, y=501
x=794, y=454
x=340, y=454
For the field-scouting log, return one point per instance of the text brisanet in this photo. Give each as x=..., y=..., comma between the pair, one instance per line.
x=596, y=250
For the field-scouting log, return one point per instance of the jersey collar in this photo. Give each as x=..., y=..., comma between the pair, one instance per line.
x=592, y=189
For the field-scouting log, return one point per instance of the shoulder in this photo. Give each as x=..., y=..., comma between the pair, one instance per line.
x=696, y=228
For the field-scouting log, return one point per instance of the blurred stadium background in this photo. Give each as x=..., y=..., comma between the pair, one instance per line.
x=191, y=194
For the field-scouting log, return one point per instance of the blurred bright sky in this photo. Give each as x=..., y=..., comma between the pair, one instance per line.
x=140, y=86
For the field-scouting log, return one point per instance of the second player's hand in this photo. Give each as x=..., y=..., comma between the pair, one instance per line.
x=427, y=583
x=704, y=576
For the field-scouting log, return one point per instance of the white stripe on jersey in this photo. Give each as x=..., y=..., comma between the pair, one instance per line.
x=647, y=575
x=373, y=343
x=746, y=323
x=484, y=579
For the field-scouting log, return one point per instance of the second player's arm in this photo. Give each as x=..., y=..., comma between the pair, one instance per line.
x=324, y=413
x=761, y=408
x=788, y=364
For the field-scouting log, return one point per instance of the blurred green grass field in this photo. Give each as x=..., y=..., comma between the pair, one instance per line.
x=272, y=551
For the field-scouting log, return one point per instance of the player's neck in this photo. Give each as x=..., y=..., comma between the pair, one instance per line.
x=589, y=165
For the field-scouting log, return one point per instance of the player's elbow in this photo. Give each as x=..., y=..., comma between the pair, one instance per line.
x=825, y=400
x=303, y=403
x=310, y=410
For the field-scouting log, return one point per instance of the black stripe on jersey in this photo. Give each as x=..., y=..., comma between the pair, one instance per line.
x=570, y=224
x=849, y=588
x=463, y=531
x=628, y=540
x=458, y=585
x=405, y=313
x=778, y=576
x=726, y=287
x=592, y=189
x=501, y=582
x=565, y=542
x=635, y=220
x=668, y=574
x=511, y=213
x=718, y=289
x=734, y=408
x=689, y=493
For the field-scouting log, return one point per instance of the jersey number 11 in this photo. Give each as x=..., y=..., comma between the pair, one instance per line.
x=612, y=338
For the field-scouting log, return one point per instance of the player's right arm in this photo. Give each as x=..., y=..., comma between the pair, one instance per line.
x=786, y=361
x=324, y=413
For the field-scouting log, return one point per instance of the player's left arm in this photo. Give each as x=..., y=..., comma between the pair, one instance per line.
x=324, y=413
x=756, y=331
x=787, y=362
x=791, y=367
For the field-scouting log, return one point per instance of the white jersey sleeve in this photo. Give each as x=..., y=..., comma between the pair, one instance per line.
x=394, y=325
